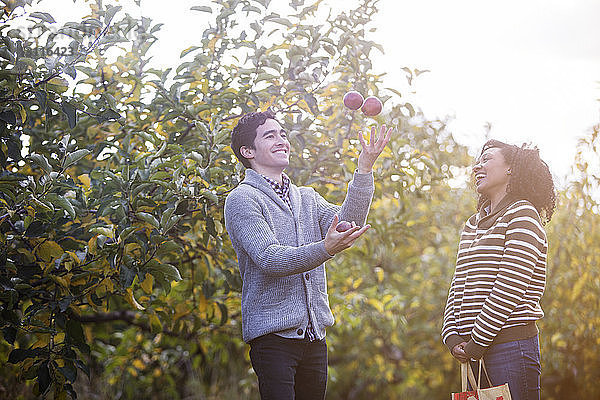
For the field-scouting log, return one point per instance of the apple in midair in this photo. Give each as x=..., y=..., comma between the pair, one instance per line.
x=353, y=100
x=372, y=106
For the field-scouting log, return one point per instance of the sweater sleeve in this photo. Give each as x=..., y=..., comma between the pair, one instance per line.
x=355, y=206
x=248, y=228
x=449, y=331
x=525, y=244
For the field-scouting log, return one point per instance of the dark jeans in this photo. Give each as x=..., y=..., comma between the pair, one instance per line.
x=517, y=363
x=289, y=368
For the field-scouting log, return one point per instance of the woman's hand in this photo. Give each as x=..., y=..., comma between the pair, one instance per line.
x=458, y=352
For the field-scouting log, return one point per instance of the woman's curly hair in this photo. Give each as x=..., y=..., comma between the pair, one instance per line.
x=530, y=177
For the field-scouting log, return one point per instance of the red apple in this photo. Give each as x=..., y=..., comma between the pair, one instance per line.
x=372, y=106
x=343, y=226
x=353, y=100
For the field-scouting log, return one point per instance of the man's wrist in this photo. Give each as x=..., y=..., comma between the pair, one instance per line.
x=364, y=171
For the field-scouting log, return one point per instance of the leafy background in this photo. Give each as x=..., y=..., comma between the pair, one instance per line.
x=118, y=280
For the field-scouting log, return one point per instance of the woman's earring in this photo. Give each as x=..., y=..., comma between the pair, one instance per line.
x=508, y=172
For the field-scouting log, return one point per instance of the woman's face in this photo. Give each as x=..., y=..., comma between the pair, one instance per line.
x=491, y=173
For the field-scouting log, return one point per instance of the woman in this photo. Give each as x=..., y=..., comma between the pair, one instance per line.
x=494, y=298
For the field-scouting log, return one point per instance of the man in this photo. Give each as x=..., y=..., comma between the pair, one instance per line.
x=283, y=234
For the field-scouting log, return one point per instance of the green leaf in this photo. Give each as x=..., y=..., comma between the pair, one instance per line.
x=18, y=355
x=42, y=161
x=164, y=219
x=69, y=371
x=202, y=8
x=311, y=101
x=149, y=218
x=169, y=271
x=107, y=115
x=70, y=112
x=74, y=331
x=9, y=117
x=125, y=233
x=281, y=21
x=7, y=55
x=10, y=334
x=43, y=16
x=41, y=98
x=61, y=202
x=75, y=156
x=188, y=50
x=250, y=8
x=110, y=13
x=82, y=366
x=126, y=275
x=43, y=377
x=211, y=196
x=169, y=246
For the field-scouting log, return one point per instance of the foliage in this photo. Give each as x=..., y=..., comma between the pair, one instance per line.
x=569, y=330
x=114, y=260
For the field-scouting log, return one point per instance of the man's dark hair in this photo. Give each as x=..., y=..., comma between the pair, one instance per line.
x=530, y=177
x=244, y=132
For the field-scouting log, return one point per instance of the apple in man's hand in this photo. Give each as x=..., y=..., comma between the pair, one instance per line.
x=343, y=226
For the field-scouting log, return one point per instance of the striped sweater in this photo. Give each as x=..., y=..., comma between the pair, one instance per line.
x=499, y=279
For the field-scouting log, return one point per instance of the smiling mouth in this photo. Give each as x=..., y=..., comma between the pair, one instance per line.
x=479, y=177
x=280, y=151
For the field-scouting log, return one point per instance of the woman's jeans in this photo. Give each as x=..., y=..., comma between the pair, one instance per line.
x=517, y=363
x=289, y=368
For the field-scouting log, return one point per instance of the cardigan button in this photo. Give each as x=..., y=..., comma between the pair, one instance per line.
x=299, y=332
x=306, y=276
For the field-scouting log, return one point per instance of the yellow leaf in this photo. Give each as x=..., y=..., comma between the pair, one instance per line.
x=49, y=250
x=376, y=304
x=42, y=340
x=22, y=112
x=202, y=303
x=108, y=283
x=218, y=227
x=147, y=284
x=59, y=338
x=74, y=257
x=130, y=248
x=212, y=43
x=131, y=300
x=155, y=323
x=161, y=131
x=92, y=248
x=85, y=179
x=64, y=282
x=180, y=310
x=138, y=363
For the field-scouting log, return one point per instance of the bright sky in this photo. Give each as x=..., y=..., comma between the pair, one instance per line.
x=530, y=68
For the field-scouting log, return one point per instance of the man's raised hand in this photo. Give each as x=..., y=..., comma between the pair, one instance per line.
x=370, y=151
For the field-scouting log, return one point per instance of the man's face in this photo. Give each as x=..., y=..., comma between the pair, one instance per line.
x=271, y=147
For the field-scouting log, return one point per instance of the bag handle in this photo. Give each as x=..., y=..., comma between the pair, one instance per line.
x=467, y=373
x=463, y=376
x=482, y=364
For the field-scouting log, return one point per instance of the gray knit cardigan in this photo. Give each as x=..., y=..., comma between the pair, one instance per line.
x=281, y=252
